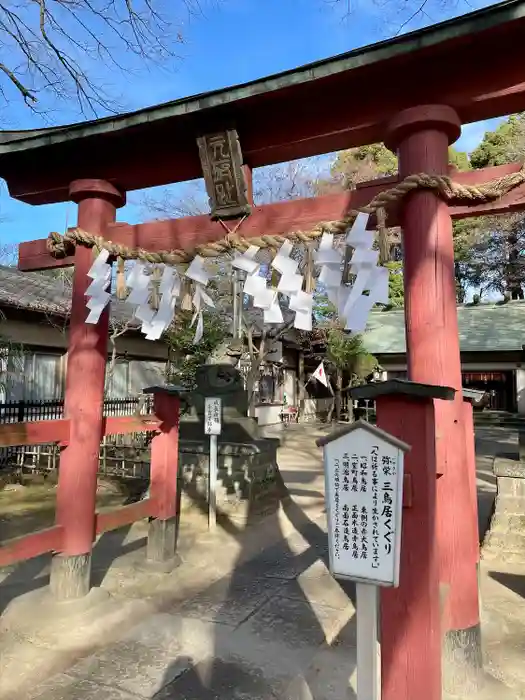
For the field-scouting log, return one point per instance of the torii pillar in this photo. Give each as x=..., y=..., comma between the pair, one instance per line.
x=97, y=201
x=421, y=136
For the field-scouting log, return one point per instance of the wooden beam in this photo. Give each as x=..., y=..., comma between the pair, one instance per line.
x=511, y=202
x=34, y=432
x=47, y=431
x=29, y=546
x=114, y=519
x=186, y=233
x=276, y=218
x=33, y=255
x=123, y=425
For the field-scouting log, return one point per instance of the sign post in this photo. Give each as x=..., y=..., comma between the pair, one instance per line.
x=212, y=427
x=363, y=468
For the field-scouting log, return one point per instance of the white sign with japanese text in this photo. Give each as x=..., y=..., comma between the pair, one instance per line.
x=364, y=498
x=212, y=416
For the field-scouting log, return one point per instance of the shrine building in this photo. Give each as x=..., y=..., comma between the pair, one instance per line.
x=492, y=344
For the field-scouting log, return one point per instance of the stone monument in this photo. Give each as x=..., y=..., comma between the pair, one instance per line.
x=247, y=465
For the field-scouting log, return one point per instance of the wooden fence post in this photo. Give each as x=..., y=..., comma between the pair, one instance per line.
x=164, y=472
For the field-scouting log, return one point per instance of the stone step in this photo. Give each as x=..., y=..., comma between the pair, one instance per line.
x=510, y=505
x=497, y=417
x=507, y=522
x=511, y=487
x=505, y=542
x=491, y=555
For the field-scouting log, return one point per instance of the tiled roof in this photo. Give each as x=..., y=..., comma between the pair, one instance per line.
x=50, y=295
x=482, y=328
x=44, y=294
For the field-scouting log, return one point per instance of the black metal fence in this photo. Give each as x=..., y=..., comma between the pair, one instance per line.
x=24, y=411
x=124, y=454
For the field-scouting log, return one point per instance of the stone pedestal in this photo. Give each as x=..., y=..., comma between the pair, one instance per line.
x=247, y=477
x=505, y=540
x=247, y=465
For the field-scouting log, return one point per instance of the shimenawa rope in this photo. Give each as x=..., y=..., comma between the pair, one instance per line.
x=61, y=246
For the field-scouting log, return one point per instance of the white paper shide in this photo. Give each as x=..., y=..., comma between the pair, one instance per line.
x=99, y=296
x=364, y=492
x=353, y=302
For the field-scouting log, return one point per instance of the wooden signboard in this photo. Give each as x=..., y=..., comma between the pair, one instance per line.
x=364, y=498
x=221, y=161
x=364, y=495
x=212, y=427
x=212, y=416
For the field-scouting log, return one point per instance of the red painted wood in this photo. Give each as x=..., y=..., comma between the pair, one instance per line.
x=165, y=457
x=270, y=219
x=123, y=425
x=29, y=546
x=248, y=174
x=33, y=255
x=410, y=614
x=433, y=345
x=470, y=466
x=34, y=433
x=407, y=490
x=124, y=516
x=82, y=189
x=276, y=218
x=45, y=431
x=87, y=356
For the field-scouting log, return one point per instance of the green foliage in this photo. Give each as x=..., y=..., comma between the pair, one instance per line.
x=323, y=309
x=503, y=145
x=348, y=354
x=459, y=159
x=396, y=289
x=368, y=162
x=488, y=249
x=184, y=355
x=363, y=163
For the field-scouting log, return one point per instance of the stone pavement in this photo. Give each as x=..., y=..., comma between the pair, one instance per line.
x=248, y=635
x=248, y=614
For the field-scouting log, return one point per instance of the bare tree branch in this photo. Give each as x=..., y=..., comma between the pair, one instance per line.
x=51, y=50
x=117, y=330
x=400, y=14
x=8, y=254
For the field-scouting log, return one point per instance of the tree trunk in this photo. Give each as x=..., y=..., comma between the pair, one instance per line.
x=301, y=390
x=331, y=411
x=250, y=389
x=338, y=393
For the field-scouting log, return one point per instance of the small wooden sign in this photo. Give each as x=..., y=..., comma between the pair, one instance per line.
x=221, y=161
x=364, y=496
x=212, y=416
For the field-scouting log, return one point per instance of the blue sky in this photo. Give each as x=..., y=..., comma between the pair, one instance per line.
x=232, y=42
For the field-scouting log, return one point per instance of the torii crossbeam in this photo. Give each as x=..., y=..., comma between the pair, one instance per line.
x=275, y=219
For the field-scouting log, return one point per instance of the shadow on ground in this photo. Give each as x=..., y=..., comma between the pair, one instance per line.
x=276, y=632
x=514, y=582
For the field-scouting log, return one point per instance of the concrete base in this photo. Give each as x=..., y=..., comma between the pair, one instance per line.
x=490, y=688
x=70, y=576
x=148, y=566
x=162, y=544
x=462, y=671
x=43, y=604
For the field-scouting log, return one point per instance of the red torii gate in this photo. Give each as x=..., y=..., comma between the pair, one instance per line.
x=343, y=102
